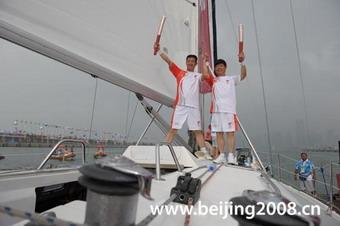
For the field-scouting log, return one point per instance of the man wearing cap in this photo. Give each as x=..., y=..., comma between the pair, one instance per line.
x=223, y=107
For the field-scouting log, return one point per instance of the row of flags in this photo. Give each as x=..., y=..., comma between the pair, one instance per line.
x=53, y=130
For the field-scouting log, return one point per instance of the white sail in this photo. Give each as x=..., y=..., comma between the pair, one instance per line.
x=110, y=39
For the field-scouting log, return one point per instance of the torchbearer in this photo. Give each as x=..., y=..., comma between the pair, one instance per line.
x=223, y=103
x=186, y=105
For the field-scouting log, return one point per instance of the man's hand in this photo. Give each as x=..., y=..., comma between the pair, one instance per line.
x=205, y=70
x=205, y=58
x=295, y=177
x=163, y=55
x=243, y=67
x=241, y=57
x=156, y=47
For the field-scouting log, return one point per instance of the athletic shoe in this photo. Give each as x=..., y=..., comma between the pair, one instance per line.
x=203, y=155
x=221, y=158
x=207, y=156
x=231, y=159
x=199, y=155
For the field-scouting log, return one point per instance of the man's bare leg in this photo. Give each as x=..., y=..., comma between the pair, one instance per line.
x=199, y=138
x=231, y=147
x=170, y=136
x=203, y=153
x=216, y=152
x=220, y=144
x=231, y=142
x=220, y=141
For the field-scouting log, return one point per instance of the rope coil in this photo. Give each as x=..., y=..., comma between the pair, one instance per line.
x=37, y=219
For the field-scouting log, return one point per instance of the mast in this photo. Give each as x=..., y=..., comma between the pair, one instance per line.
x=213, y=9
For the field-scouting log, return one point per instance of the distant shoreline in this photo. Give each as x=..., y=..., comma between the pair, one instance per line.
x=42, y=141
x=45, y=145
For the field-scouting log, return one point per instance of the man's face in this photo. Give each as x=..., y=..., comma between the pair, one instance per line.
x=220, y=69
x=303, y=156
x=191, y=63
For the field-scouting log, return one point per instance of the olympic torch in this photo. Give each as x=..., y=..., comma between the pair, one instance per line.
x=240, y=40
x=159, y=33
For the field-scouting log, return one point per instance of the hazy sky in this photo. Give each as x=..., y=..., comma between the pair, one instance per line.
x=37, y=89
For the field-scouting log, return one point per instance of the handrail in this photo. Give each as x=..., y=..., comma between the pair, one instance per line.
x=82, y=142
x=319, y=181
x=250, y=144
x=263, y=169
x=329, y=202
x=157, y=159
x=331, y=187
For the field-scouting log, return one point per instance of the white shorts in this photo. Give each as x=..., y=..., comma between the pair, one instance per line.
x=182, y=113
x=223, y=122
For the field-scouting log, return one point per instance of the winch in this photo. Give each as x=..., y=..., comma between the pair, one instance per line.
x=187, y=187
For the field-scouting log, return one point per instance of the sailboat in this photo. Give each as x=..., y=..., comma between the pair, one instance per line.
x=112, y=41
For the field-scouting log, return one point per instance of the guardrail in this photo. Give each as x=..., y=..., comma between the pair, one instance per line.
x=157, y=159
x=325, y=187
x=257, y=157
x=49, y=155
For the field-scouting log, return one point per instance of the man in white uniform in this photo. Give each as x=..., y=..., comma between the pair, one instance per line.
x=223, y=108
x=186, y=105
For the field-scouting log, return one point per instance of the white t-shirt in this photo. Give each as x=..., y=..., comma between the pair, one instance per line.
x=187, y=87
x=223, y=97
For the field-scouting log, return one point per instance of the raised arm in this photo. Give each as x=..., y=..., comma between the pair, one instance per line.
x=243, y=66
x=163, y=55
x=205, y=70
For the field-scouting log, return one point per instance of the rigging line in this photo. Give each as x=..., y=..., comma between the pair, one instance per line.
x=152, y=216
x=231, y=20
x=262, y=83
x=190, y=2
x=127, y=115
x=93, y=105
x=133, y=116
x=211, y=175
x=300, y=71
x=198, y=168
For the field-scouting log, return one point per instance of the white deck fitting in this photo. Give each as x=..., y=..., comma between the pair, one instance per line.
x=228, y=182
x=145, y=156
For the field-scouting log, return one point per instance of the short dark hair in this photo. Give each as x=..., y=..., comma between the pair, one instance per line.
x=191, y=56
x=221, y=61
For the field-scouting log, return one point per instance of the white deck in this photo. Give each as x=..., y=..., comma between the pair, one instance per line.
x=145, y=156
x=228, y=182
x=224, y=185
